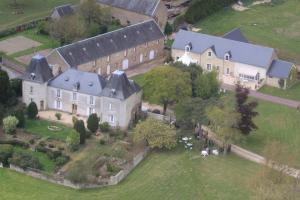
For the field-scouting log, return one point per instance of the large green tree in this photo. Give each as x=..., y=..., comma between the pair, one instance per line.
x=207, y=85
x=155, y=133
x=166, y=85
x=93, y=123
x=5, y=88
x=92, y=12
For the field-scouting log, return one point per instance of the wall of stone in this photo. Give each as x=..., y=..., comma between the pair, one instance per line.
x=38, y=94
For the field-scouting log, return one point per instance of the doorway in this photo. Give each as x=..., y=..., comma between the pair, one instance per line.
x=74, y=109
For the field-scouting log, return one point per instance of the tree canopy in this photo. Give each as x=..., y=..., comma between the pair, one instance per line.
x=166, y=85
x=155, y=133
x=207, y=85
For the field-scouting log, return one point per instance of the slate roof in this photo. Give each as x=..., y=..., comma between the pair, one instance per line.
x=241, y=52
x=118, y=86
x=109, y=43
x=236, y=35
x=280, y=69
x=64, y=10
x=38, y=70
x=145, y=7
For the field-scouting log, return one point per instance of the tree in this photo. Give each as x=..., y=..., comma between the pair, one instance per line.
x=6, y=152
x=73, y=140
x=5, y=88
x=155, y=133
x=32, y=110
x=80, y=128
x=207, y=85
x=10, y=124
x=168, y=29
x=93, y=123
x=166, y=85
x=92, y=12
x=19, y=114
x=16, y=86
x=224, y=121
x=192, y=111
x=246, y=110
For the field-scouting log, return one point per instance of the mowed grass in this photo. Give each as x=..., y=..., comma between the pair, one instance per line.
x=173, y=175
x=32, y=9
x=40, y=127
x=275, y=26
x=275, y=123
x=291, y=93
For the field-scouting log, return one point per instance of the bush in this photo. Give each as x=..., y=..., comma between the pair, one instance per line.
x=104, y=127
x=6, y=151
x=32, y=110
x=112, y=168
x=10, y=124
x=15, y=142
x=19, y=114
x=25, y=160
x=79, y=127
x=168, y=29
x=42, y=28
x=93, y=123
x=16, y=86
x=58, y=116
x=61, y=160
x=73, y=140
x=102, y=142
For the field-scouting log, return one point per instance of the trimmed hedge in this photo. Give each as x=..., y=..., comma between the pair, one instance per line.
x=200, y=9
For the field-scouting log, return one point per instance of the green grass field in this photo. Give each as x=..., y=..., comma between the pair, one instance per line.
x=275, y=26
x=275, y=123
x=173, y=175
x=291, y=93
x=32, y=9
x=40, y=127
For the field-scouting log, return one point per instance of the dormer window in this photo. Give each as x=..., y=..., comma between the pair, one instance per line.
x=209, y=53
x=188, y=47
x=227, y=56
x=32, y=76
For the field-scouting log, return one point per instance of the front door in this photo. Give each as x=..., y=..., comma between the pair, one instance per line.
x=125, y=64
x=74, y=109
x=42, y=105
x=151, y=55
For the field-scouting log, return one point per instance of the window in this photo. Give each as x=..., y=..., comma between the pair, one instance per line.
x=91, y=110
x=110, y=106
x=227, y=57
x=108, y=58
x=31, y=89
x=111, y=119
x=134, y=49
x=125, y=53
x=208, y=66
x=74, y=96
x=209, y=53
x=58, y=93
x=92, y=102
x=227, y=71
x=58, y=104
x=187, y=48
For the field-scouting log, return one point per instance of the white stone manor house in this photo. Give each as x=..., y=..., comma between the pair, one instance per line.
x=115, y=100
x=234, y=58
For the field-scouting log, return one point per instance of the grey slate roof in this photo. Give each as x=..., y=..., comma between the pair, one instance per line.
x=89, y=83
x=236, y=35
x=38, y=70
x=145, y=7
x=118, y=86
x=106, y=44
x=280, y=69
x=64, y=10
x=241, y=52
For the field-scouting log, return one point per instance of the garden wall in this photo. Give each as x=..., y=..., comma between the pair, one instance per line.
x=161, y=117
x=56, y=179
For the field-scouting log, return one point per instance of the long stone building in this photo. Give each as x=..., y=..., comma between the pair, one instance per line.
x=115, y=100
x=136, y=11
x=117, y=50
x=234, y=58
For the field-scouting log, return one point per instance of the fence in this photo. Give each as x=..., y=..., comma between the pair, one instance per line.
x=56, y=179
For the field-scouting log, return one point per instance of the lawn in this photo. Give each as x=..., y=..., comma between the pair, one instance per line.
x=291, y=93
x=275, y=123
x=275, y=26
x=173, y=175
x=40, y=127
x=32, y=9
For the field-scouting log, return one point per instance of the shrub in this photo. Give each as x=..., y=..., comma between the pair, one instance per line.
x=32, y=110
x=25, y=160
x=10, y=124
x=6, y=152
x=58, y=116
x=74, y=120
x=61, y=160
x=19, y=114
x=104, y=127
x=73, y=140
x=168, y=29
x=79, y=127
x=112, y=168
x=16, y=86
x=15, y=142
x=102, y=142
x=93, y=123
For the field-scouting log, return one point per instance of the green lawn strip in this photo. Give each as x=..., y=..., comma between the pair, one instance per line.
x=290, y=93
x=275, y=26
x=275, y=123
x=32, y=9
x=171, y=175
x=47, y=164
x=40, y=127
